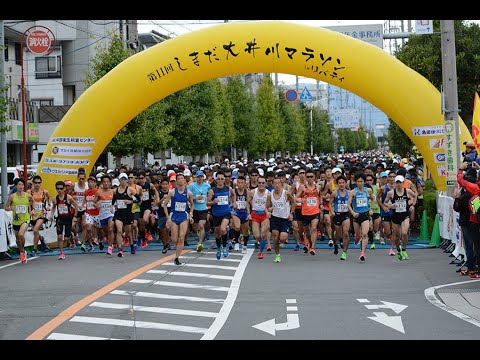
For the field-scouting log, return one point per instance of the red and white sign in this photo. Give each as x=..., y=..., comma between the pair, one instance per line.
x=38, y=42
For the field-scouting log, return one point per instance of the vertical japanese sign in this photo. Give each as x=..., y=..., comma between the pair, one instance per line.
x=450, y=146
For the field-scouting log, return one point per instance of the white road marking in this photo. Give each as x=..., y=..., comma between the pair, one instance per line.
x=231, y=253
x=363, y=300
x=292, y=308
x=202, y=266
x=138, y=324
x=430, y=295
x=209, y=258
x=394, y=322
x=19, y=262
x=184, y=273
x=165, y=296
x=159, y=310
x=62, y=336
x=178, y=284
x=230, y=300
x=291, y=301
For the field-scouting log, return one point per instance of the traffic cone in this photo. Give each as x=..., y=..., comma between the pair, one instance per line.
x=424, y=235
x=435, y=240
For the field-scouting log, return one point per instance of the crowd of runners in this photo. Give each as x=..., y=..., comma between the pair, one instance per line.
x=369, y=198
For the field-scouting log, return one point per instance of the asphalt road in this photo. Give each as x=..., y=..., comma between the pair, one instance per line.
x=145, y=296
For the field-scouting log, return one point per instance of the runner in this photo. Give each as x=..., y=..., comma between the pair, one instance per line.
x=402, y=202
x=103, y=202
x=341, y=219
x=66, y=218
x=388, y=181
x=181, y=215
x=21, y=204
x=240, y=213
x=199, y=190
x=259, y=214
x=162, y=215
x=123, y=198
x=91, y=215
x=41, y=204
x=283, y=207
x=79, y=196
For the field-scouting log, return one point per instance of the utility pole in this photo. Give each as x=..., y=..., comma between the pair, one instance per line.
x=3, y=135
x=450, y=109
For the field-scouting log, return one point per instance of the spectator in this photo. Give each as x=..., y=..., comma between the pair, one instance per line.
x=470, y=153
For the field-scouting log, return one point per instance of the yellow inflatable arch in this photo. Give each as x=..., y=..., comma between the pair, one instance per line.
x=240, y=48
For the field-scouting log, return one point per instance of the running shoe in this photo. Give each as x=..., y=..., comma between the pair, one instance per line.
x=305, y=249
x=165, y=249
x=335, y=251
x=344, y=256
x=278, y=258
x=62, y=256
x=269, y=247
x=297, y=247
x=244, y=249
x=304, y=240
x=225, y=253
x=357, y=239
x=405, y=255
x=23, y=257
x=260, y=255
x=139, y=243
x=382, y=242
x=33, y=253
x=132, y=249
x=83, y=248
x=330, y=242
x=177, y=262
x=362, y=256
x=101, y=246
x=126, y=241
x=71, y=246
x=109, y=250
x=95, y=241
x=148, y=236
x=312, y=251
x=237, y=246
x=376, y=236
x=143, y=244
x=120, y=253
x=199, y=247
x=372, y=246
x=391, y=252
x=400, y=255
x=230, y=246
x=219, y=253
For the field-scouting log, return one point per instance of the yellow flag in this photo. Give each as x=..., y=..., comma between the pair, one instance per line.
x=476, y=121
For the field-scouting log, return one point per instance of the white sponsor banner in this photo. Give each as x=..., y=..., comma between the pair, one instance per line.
x=370, y=33
x=437, y=143
x=439, y=157
x=428, y=130
x=59, y=161
x=441, y=170
x=423, y=27
x=3, y=232
x=73, y=140
x=59, y=171
x=72, y=150
x=448, y=219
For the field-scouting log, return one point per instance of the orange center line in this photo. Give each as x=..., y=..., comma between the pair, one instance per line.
x=66, y=314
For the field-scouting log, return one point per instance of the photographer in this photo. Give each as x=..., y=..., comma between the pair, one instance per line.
x=470, y=154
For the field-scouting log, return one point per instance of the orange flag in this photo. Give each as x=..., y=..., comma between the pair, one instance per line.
x=476, y=121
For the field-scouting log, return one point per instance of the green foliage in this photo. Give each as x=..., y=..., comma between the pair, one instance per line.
x=270, y=126
x=293, y=125
x=242, y=104
x=423, y=54
x=322, y=133
x=398, y=141
x=4, y=111
x=430, y=203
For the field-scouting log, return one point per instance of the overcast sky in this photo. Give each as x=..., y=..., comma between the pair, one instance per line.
x=179, y=27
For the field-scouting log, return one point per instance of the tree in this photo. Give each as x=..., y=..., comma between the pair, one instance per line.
x=4, y=106
x=398, y=141
x=270, y=125
x=293, y=125
x=242, y=104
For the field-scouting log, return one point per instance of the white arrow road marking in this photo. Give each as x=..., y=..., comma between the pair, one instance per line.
x=398, y=308
x=394, y=322
x=269, y=326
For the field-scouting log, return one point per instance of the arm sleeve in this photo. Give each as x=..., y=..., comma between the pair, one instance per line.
x=473, y=189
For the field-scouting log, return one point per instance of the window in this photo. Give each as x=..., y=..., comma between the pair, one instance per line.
x=42, y=102
x=48, y=67
x=6, y=49
x=18, y=54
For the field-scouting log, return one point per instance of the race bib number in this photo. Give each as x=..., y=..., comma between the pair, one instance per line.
x=401, y=206
x=361, y=202
x=38, y=206
x=222, y=200
x=180, y=206
x=145, y=196
x=312, y=201
x=90, y=205
x=342, y=208
x=241, y=204
x=121, y=204
x=105, y=205
x=278, y=205
x=21, y=209
x=200, y=201
x=260, y=202
x=79, y=199
x=62, y=209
